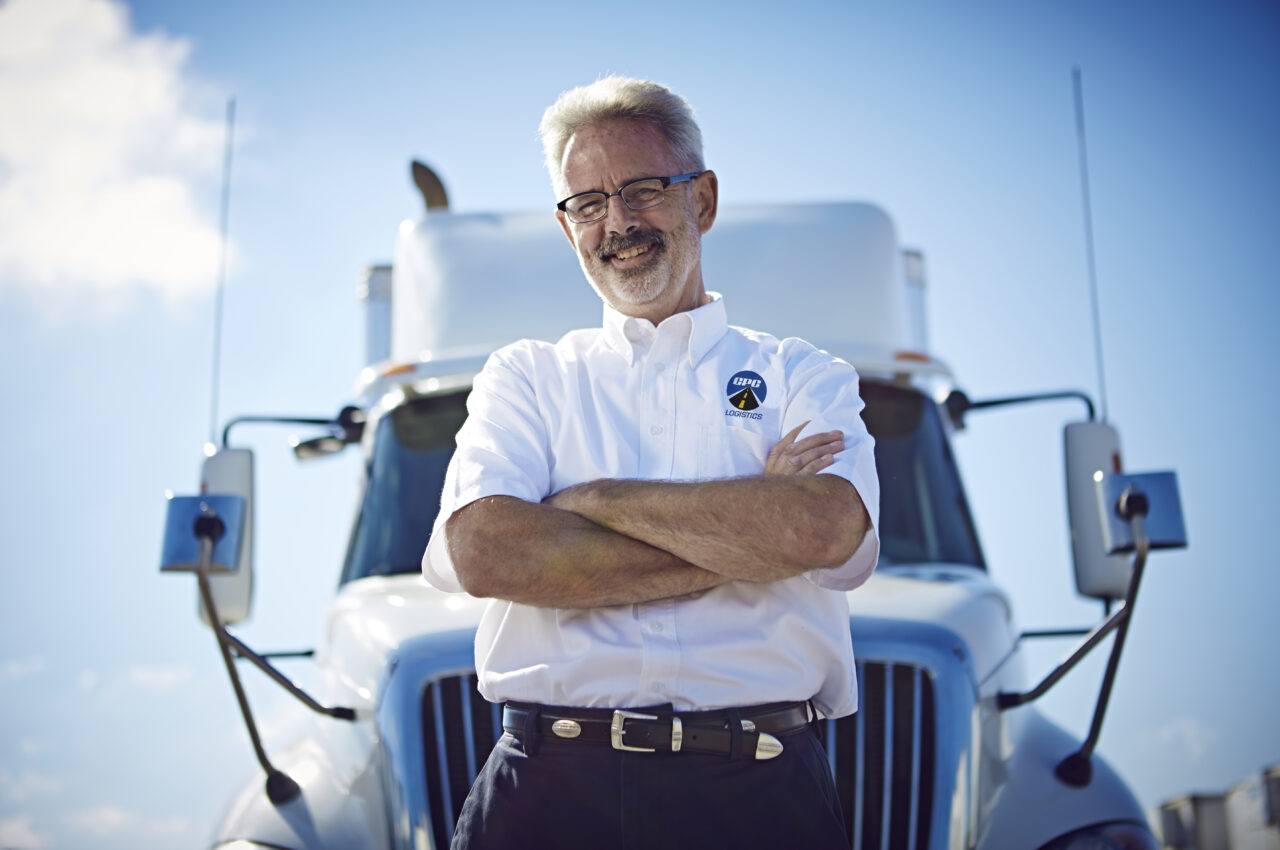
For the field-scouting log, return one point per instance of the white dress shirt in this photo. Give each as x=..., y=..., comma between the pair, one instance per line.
x=690, y=399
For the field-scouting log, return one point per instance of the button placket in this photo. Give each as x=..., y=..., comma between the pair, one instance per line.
x=665, y=350
x=661, y=654
x=660, y=666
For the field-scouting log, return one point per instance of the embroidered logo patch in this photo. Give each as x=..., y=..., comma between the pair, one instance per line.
x=746, y=391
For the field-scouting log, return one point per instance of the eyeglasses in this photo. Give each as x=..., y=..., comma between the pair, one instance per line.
x=641, y=194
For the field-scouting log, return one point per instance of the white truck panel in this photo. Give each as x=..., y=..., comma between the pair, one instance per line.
x=463, y=280
x=342, y=805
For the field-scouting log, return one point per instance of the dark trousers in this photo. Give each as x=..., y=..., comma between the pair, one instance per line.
x=564, y=795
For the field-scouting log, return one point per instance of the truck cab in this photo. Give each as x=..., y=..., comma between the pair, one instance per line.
x=937, y=756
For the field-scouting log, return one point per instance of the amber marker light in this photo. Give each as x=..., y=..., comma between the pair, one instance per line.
x=398, y=369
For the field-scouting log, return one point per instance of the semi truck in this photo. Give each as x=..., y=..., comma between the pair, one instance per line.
x=948, y=748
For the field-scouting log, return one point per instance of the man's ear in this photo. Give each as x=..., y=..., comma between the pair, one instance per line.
x=706, y=195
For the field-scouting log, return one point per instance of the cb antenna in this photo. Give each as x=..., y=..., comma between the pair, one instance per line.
x=1088, y=239
x=222, y=268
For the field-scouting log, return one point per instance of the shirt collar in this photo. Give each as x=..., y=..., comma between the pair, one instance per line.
x=702, y=328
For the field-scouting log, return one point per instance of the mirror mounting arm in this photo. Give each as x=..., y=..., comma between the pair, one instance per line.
x=1007, y=699
x=260, y=661
x=348, y=424
x=958, y=404
x=1077, y=769
x=280, y=787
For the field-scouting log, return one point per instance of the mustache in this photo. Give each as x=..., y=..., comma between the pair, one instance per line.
x=613, y=245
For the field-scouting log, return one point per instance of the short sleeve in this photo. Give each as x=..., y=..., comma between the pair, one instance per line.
x=502, y=450
x=823, y=390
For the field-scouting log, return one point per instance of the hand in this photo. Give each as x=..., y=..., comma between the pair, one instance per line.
x=806, y=457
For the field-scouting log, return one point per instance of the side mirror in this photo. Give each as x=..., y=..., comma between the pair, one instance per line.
x=1090, y=448
x=1132, y=513
x=348, y=428
x=211, y=535
x=1151, y=495
x=219, y=518
x=230, y=472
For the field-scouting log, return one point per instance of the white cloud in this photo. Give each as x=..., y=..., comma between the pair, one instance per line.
x=28, y=784
x=175, y=825
x=100, y=148
x=154, y=678
x=33, y=747
x=104, y=820
x=160, y=678
x=1194, y=736
x=18, y=834
x=21, y=668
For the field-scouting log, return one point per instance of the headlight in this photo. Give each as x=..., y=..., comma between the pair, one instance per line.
x=1118, y=835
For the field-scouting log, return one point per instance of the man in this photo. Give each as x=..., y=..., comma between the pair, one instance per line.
x=664, y=512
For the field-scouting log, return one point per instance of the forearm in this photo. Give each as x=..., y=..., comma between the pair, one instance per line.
x=756, y=529
x=541, y=555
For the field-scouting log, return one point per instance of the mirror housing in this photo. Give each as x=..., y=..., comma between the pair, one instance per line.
x=1090, y=448
x=230, y=472
x=347, y=428
x=316, y=446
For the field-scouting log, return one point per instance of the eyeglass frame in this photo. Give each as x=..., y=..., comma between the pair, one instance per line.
x=667, y=182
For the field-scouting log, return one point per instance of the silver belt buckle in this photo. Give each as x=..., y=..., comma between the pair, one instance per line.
x=620, y=719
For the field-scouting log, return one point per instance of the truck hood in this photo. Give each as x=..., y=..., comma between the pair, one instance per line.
x=372, y=617
x=961, y=599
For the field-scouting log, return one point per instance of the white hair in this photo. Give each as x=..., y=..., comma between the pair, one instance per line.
x=614, y=98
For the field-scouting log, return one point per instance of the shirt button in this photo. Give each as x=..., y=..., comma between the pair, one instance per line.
x=656, y=687
x=660, y=368
x=657, y=627
x=655, y=430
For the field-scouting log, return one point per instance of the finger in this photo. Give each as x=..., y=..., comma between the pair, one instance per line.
x=775, y=453
x=825, y=450
x=790, y=436
x=787, y=444
x=827, y=442
x=816, y=465
x=816, y=441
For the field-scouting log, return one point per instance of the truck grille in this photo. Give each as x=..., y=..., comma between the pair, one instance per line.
x=882, y=758
x=459, y=728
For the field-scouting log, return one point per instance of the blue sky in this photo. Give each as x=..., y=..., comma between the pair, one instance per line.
x=119, y=729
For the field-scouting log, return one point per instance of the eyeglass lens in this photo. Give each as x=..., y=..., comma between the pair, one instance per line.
x=639, y=195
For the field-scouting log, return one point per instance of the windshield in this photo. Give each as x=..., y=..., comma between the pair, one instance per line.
x=403, y=480
x=924, y=517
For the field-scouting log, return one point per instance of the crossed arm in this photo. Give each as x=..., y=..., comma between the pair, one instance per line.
x=611, y=542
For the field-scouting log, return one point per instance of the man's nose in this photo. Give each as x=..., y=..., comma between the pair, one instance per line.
x=618, y=217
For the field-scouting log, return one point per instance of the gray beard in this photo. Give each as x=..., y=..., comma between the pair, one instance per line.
x=676, y=254
x=629, y=286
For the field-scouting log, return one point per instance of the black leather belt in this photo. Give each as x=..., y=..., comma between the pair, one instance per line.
x=656, y=730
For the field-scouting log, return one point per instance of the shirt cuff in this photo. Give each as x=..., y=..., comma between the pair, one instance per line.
x=855, y=571
x=437, y=566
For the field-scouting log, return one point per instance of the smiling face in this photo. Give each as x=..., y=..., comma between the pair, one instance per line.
x=645, y=263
